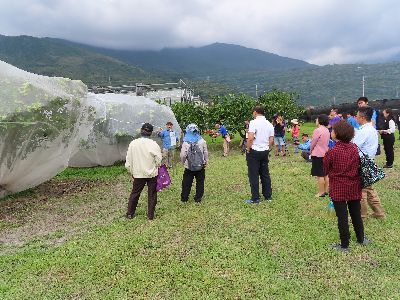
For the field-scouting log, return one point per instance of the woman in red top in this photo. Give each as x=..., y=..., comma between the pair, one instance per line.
x=295, y=129
x=295, y=134
x=342, y=163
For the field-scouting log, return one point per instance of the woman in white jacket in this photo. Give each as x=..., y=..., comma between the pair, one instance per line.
x=388, y=138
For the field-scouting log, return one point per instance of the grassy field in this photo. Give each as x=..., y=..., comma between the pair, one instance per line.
x=68, y=239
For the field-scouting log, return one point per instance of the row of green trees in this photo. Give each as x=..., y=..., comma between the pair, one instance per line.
x=233, y=110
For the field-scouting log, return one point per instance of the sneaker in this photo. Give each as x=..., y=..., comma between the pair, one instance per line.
x=129, y=216
x=330, y=205
x=339, y=247
x=365, y=242
x=251, y=201
x=381, y=217
x=321, y=196
x=268, y=199
x=388, y=166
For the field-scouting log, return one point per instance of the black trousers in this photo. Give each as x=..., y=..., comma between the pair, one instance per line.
x=343, y=220
x=137, y=188
x=388, y=145
x=187, y=182
x=257, y=164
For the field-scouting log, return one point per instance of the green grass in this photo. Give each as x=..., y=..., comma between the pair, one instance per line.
x=219, y=249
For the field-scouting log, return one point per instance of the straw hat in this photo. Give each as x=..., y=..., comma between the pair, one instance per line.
x=295, y=121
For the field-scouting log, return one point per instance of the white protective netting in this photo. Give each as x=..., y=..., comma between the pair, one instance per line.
x=41, y=121
x=119, y=118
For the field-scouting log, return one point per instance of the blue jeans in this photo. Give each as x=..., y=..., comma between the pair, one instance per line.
x=279, y=140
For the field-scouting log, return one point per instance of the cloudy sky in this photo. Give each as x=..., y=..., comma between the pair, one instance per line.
x=318, y=31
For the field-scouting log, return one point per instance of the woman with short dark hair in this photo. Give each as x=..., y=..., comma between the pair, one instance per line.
x=279, y=135
x=341, y=164
x=318, y=148
x=387, y=134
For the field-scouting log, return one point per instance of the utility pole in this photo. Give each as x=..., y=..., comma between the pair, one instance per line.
x=363, y=85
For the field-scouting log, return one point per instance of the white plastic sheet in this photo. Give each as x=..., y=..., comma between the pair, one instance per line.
x=41, y=121
x=119, y=118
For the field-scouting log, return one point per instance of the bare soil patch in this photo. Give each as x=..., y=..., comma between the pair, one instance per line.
x=57, y=210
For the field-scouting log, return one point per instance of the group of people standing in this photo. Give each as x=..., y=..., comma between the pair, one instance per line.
x=386, y=128
x=280, y=127
x=336, y=168
x=144, y=156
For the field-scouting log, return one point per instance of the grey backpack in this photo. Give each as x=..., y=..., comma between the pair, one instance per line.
x=195, y=157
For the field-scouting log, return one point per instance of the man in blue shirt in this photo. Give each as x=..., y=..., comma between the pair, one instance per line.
x=305, y=147
x=170, y=140
x=225, y=135
x=351, y=119
x=363, y=102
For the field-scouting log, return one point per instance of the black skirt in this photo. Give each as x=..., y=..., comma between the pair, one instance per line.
x=317, y=166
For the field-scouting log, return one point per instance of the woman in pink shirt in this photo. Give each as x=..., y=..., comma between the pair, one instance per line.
x=295, y=129
x=318, y=148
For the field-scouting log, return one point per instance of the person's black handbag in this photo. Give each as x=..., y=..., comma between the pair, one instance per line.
x=369, y=171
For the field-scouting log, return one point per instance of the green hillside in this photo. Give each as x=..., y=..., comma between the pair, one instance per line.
x=243, y=68
x=319, y=86
x=217, y=58
x=55, y=57
x=212, y=70
x=52, y=57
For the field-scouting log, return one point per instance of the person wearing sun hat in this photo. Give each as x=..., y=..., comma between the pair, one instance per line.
x=192, y=141
x=295, y=132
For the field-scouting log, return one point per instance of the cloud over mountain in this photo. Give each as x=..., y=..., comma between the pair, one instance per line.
x=318, y=31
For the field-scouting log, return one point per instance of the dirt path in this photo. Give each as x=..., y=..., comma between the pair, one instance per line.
x=58, y=210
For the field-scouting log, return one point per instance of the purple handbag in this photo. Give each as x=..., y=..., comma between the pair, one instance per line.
x=163, y=178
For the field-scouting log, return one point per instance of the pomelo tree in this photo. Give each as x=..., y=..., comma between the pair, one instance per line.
x=232, y=110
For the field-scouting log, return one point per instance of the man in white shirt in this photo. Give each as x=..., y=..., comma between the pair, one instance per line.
x=142, y=161
x=366, y=138
x=260, y=141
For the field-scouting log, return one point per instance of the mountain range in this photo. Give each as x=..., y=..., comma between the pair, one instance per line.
x=54, y=57
x=213, y=69
x=217, y=58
